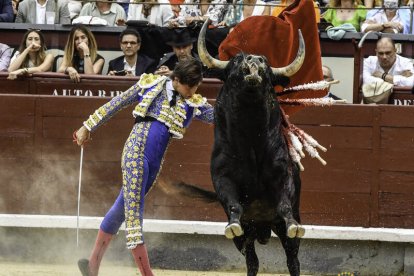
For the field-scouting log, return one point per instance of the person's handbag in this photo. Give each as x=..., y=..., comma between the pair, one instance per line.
x=377, y=92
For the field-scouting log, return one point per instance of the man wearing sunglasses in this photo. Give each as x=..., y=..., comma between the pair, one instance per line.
x=131, y=63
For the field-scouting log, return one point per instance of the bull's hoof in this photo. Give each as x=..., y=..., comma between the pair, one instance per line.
x=233, y=230
x=295, y=231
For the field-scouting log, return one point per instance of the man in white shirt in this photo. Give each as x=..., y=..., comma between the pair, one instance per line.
x=5, y=55
x=388, y=66
x=156, y=12
x=34, y=11
x=111, y=12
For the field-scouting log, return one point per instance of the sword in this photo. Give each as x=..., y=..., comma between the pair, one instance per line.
x=79, y=194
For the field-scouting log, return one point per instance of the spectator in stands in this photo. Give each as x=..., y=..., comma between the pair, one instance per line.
x=111, y=12
x=182, y=44
x=74, y=6
x=176, y=7
x=386, y=20
x=15, y=4
x=388, y=66
x=81, y=54
x=156, y=12
x=34, y=11
x=131, y=63
x=199, y=10
x=284, y=3
x=5, y=55
x=372, y=3
x=243, y=9
x=328, y=76
x=6, y=11
x=345, y=11
x=31, y=57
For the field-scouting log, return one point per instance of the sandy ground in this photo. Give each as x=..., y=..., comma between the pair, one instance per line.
x=25, y=269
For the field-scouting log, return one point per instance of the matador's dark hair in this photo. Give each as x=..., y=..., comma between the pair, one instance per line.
x=188, y=71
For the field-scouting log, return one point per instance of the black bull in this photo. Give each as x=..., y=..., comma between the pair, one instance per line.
x=254, y=177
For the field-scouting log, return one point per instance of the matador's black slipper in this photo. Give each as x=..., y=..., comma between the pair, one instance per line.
x=83, y=266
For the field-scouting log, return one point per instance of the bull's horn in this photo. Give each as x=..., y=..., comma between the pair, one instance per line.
x=292, y=68
x=205, y=57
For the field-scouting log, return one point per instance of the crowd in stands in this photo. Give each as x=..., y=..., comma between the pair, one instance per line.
x=81, y=55
x=81, y=51
x=369, y=15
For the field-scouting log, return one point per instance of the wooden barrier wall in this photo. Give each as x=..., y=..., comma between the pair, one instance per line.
x=369, y=179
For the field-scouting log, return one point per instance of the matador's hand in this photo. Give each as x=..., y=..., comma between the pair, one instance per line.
x=81, y=136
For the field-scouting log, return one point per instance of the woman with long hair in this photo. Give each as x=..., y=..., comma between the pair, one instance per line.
x=31, y=57
x=81, y=54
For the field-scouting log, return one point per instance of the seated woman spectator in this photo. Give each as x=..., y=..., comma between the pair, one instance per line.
x=200, y=10
x=284, y=3
x=111, y=12
x=31, y=57
x=151, y=11
x=34, y=11
x=243, y=9
x=345, y=11
x=81, y=54
x=386, y=20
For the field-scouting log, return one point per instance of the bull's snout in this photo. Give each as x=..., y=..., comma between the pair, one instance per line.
x=253, y=67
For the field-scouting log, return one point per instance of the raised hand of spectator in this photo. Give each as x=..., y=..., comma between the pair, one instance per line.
x=82, y=46
x=34, y=46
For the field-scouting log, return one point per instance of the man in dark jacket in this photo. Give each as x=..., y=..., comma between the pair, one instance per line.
x=131, y=63
x=182, y=45
x=181, y=42
x=6, y=11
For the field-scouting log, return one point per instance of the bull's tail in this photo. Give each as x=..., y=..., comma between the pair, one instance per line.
x=194, y=191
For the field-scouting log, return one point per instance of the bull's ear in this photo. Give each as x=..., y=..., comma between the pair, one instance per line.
x=215, y=73
x=280, y=80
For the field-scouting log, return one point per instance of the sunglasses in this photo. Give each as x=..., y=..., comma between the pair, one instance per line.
x=133, y=43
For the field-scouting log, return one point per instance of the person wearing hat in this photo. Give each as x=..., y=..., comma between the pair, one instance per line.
x=182, y=45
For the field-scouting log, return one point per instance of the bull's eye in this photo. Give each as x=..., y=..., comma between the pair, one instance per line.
x=261, y=60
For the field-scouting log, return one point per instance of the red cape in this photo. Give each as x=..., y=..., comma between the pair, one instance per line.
x=277, y=39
